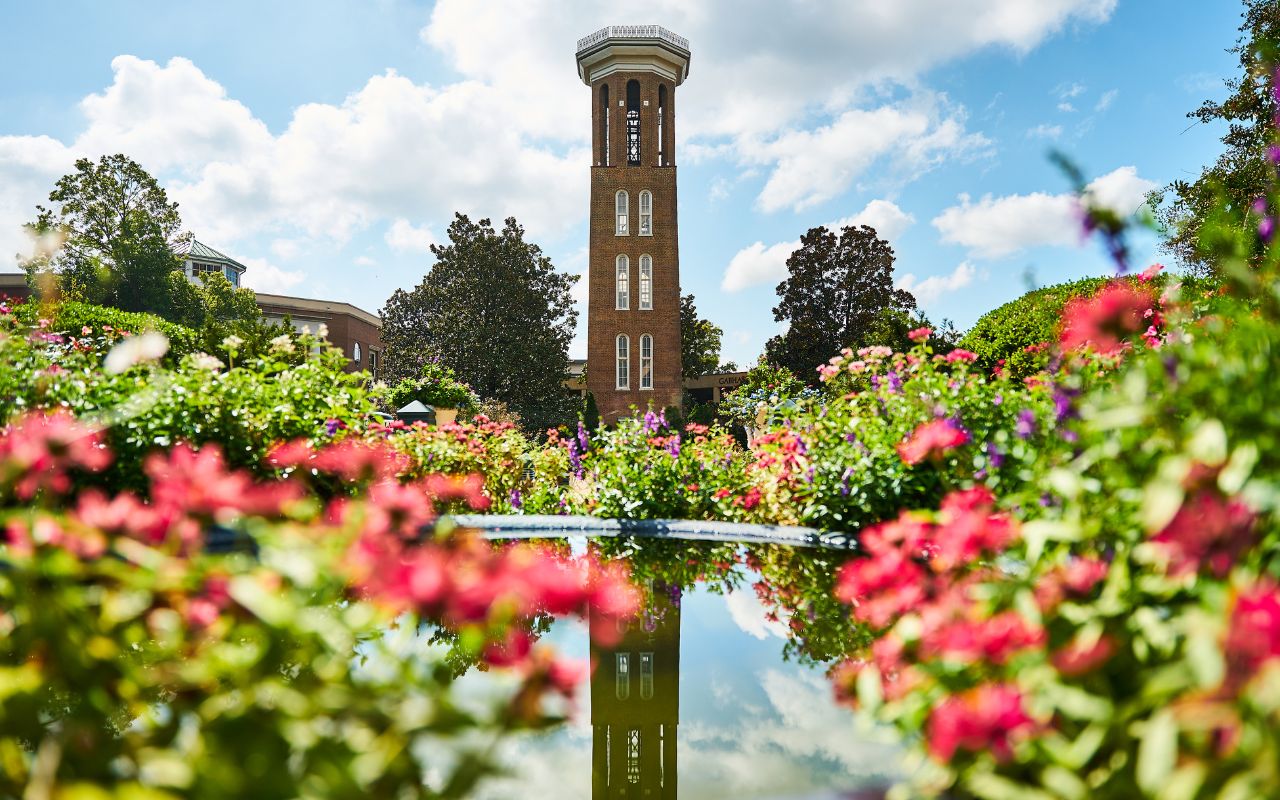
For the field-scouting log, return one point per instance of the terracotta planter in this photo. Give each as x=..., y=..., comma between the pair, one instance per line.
x=446, y=416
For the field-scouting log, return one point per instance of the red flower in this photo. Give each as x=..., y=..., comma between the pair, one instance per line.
x=969, y=528
x=931, y=439
x=1107, y=319
x=961, y=355
x=920, y=334
x=988, y=718
x=881, y=588
x=1207, y=532
x=991, y=641
x=38, y=449
x=1254, y=635
x=1082, y=656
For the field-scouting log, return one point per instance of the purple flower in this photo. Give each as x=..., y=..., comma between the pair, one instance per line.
x=850, y=438
x=332, y=426
x=516, y=500
x=844, y=481
x=998, y=400
x=673, y=446
x=1259, y=206
x=1026, y=424
x=1273, y=154
x=583, y=444
x=1267, y=228
x=575, y=458
x=994, y=456
x=652, y=422
x=875, y=381
x=895, y=381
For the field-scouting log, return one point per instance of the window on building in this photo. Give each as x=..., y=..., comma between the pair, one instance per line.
x=232, y=275
x=646, y=362
x=624, y=362
x=623, y=283
x=355, y=353
x=604, y=121
x=633, y=121
x=662, y=109
x=373, y=363
x=622, y=675
x=646, y=213
x=646, y=283
x=646, y=676
x=621, y=203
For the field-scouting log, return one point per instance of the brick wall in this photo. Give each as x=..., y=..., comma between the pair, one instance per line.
x=605, y=322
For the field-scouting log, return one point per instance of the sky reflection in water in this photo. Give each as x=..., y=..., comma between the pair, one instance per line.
x=751, y=723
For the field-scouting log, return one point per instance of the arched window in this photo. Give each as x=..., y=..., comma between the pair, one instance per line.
x=624, y=362
x=620, y=203
x=662, y=112
x=646, y=676
x=355, y=353
x=633, y=121
x=622, y=676
x=622, y=284
x=646, y=361
x=646, y=213
x=646, y=283
x=604, y=122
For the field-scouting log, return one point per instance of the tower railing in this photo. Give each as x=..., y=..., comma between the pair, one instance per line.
x=632, y=32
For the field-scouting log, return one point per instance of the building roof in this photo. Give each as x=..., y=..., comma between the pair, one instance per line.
x=197, y=250
x=306, y=305
x=630, y=48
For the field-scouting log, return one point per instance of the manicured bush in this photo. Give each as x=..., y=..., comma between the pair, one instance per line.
x=436, y=387
x=78, y=320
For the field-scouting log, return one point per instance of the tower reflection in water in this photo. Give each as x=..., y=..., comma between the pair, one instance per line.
x=635, y=703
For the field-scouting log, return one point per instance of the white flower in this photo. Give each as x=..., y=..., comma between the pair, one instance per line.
x=149, y=346
x=322, y=331
x=282, y=344
x=205, y=361
x=232, y=342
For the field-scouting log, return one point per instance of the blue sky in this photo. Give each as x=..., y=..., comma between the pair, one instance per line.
x=324, y=143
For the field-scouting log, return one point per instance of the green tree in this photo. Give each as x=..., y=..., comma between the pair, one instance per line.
x=835, y=296
x=495, y=310
x=591, y=413
x=117, y=232
x=1242, y=173
x=699, y=341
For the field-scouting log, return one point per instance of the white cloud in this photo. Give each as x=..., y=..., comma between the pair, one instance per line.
x=262, y=276
x=760, y=263
x=1066, y=91
x=930, y=289
x=364, y=261
x=288, y=249
x=1044, y=131
x=748, y=613
x=998, y=226
x=1106, y=100
x=403, y=237
x=811, y=167
x=1066, y=108
x=28, y=167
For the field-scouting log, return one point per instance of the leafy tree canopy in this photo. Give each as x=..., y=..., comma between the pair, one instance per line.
x=109, y=237
x=837, y=291
x=494, y=310
x=699, y=341
x=1242, y=173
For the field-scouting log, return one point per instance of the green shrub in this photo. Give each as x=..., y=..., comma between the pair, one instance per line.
x=71, y=318
x=437, y=387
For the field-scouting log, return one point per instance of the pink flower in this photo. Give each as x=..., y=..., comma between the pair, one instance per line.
x=931, y=439
x=988, y=718
x=990, y=641
x=1150, y=273
x=961, y=355
x=1207, y=532
x=969, y=528
x=1106, y=320
x=882, y=587
x=38, y=449
x=920, y=334
x=1081, y=656
x=1254, y=635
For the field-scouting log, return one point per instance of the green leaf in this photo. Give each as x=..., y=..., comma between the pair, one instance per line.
x=1157, y=752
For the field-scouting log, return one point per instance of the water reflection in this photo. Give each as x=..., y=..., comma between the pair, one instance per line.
x=718, y=690
x=635, y=703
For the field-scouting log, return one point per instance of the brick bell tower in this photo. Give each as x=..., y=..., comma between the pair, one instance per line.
x=633, y=322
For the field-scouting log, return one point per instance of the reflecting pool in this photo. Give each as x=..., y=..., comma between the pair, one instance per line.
x=712, y=692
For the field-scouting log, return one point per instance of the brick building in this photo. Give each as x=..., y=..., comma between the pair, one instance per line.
x=633, y=322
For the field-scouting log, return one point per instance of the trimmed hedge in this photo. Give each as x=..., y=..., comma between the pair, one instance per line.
x=71, y=317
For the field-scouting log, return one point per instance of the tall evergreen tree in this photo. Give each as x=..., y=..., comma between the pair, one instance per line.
x=495, y=310
x=117, y=232
x=835, y=296
x=1242, y=173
